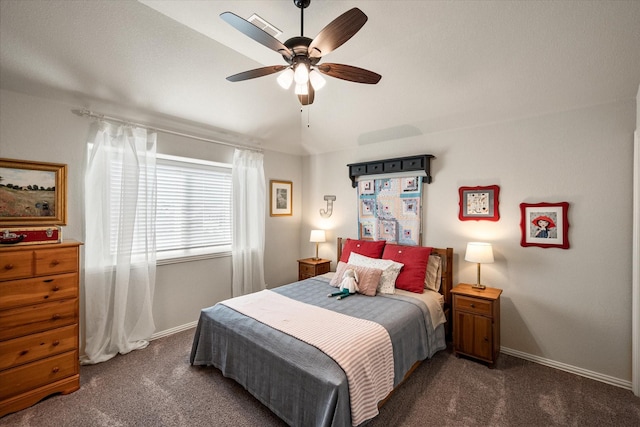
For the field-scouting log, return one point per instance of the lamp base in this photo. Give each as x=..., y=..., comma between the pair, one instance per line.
x=479, y=287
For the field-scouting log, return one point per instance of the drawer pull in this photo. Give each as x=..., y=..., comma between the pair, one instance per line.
x=56, y=343
x=55, y=317
x=55, y=370
x=24, y=352
x=55, y=262
x=56, y=288
x=8, y=267
x=48, y=280
x=473, y=305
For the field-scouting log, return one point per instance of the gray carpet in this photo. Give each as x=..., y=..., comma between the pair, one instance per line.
x=157, y=387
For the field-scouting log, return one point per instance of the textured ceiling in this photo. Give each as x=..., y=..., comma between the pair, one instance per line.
x=445, y=65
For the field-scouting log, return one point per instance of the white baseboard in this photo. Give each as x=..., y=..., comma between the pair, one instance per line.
x=172, y=331
x=568, y=368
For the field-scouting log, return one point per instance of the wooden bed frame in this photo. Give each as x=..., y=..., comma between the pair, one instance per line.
x=446, y=283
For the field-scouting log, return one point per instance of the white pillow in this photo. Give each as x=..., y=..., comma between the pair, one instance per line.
x=390, y=270
x=434, y=273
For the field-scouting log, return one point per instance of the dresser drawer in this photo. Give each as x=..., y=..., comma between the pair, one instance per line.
x=54, y=261
x=27, y=377
x=27, y=349
x=16, y=265
x=472, y=305
x=17, y=322
x=43, y=289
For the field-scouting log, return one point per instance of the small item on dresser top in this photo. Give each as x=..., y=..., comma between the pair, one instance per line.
x=30, y=235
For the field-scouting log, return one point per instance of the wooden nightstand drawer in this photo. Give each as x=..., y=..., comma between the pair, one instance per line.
x=14, y=265
x=21, y=321
x=310, y=267
x=23, y=350
x=473, y=305
x=42, y=289
x=27, y=377
x=307, y=270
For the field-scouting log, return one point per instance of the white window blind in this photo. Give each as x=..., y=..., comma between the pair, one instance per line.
x=193, y=204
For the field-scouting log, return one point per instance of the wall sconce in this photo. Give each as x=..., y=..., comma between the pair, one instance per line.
x=327, y=213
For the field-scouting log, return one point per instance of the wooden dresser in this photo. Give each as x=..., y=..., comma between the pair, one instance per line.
x=39, y=288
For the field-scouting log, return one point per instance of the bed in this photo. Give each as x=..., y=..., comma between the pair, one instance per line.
x=296, y=380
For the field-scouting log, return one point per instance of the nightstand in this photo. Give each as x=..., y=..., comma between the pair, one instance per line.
x=476, y=322
x=310, y=267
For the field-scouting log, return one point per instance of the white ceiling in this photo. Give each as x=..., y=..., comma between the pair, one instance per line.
x=445, y=64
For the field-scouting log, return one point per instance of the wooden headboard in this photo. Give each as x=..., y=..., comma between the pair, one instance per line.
x=446, y=255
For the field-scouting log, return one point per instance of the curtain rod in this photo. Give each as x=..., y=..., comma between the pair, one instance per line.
x=91, y=114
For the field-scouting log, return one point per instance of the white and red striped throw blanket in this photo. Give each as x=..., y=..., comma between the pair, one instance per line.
x=361, y=347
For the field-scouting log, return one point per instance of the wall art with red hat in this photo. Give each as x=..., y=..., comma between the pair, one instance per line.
x=545, y=225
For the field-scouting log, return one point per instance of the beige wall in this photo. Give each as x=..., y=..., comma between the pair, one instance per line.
x=568, y=306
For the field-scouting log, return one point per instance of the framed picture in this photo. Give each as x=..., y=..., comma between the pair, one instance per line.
x=545, y=225
x=479, y=203
x=281, y=198
x=32, y=193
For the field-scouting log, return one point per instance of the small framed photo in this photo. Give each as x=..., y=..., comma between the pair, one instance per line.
x=281, y=198
x=545, y=225
x=32, y=193
x=479, y=203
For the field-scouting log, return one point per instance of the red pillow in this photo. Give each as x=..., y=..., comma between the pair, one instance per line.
x=368, y=248
x=415, y=259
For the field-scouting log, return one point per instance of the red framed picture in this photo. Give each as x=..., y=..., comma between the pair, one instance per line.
x=479, y=203
x=545, y=225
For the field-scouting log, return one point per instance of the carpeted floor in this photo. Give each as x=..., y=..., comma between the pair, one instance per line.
x=157, y=387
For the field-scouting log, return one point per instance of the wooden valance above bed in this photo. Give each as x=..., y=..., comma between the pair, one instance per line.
x=420, y=163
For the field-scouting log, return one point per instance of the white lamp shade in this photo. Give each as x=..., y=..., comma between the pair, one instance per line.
x=317, y=236
x=302, y=89
x=301, y=74
x=479, y=252
x=316, y=79
x=285, y=78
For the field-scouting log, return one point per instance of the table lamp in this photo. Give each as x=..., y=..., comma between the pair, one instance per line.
x=317, y=236
x=480, y=253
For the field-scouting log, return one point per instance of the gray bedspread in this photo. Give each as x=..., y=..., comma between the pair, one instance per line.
x=298, y=382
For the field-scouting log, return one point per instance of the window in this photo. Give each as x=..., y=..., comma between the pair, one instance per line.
x=193, y=207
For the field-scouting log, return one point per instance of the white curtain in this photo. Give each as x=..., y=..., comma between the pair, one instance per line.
x=249, y=212
x=120, y=246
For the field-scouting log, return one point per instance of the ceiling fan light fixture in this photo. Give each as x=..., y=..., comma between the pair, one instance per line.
x=302, y=89
x=316, y=79
x=285, y=78
x=301, y=73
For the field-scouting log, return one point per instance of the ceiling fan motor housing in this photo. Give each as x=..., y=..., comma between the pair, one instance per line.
x=300, y=47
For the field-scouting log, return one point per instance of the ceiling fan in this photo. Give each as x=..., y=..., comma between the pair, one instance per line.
x=304, y=54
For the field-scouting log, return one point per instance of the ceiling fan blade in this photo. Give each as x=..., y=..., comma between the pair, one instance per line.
x=257, y=34
x=258, y=72
x=347, y=72
x=307, y=99
x=337, y=32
